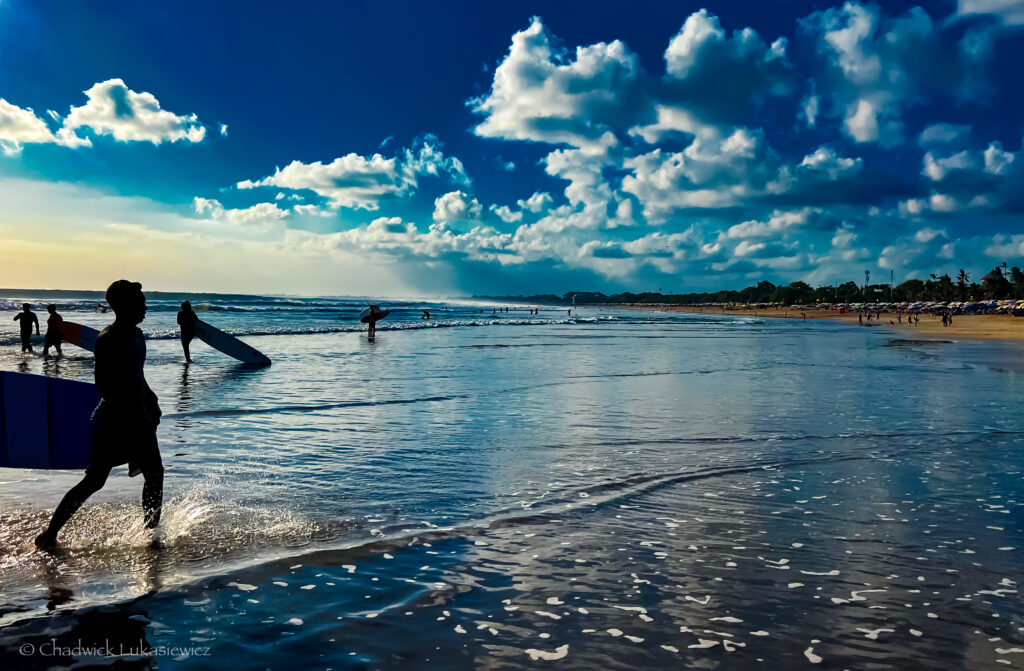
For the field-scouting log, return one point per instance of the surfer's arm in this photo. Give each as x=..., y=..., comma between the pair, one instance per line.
x=36, y=320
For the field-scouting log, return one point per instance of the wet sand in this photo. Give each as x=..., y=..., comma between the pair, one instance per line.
x=965, y=327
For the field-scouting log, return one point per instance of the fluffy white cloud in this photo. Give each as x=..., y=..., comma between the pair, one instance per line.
x=538, y=202
x=114, y=109
x=506, y=214
x=943, y=134
x=998, y=161
x=392, y=237
x=19, y=126
x=261, y=215
x=714, y=171
x=777, y=224
x=876, y=65
x=542, y=94
x=360, y=182
x=313, y=211
x=456, y=206
x=721, y=79
x=1010, y=11
x=825, y=160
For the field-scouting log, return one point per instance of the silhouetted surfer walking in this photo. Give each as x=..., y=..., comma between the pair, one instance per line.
x=187, y=322
x=372, y=319
x=53, y=331
x=123, y=427
x=27, y=319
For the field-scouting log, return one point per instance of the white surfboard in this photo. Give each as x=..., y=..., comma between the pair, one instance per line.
x=77, y=334
x=230, y=345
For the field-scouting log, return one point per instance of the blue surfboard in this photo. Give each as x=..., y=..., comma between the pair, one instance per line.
x=44, y=421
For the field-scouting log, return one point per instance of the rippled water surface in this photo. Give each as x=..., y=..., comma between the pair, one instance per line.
x=609, y=488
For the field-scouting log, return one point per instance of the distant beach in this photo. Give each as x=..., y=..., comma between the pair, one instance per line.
x=964, y=327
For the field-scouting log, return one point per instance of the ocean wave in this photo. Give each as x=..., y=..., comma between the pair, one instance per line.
x=12, y=338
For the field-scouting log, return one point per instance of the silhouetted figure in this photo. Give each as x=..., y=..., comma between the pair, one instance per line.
x=426, y=314
x=372, y=319
x=54, y=335
x=187, y=323
x=123, y=426
x=27, y=319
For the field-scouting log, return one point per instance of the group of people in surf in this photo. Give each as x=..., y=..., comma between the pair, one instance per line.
x=123, y=426
x=54, y=322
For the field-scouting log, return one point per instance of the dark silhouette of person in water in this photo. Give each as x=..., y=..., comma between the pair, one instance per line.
x=27, y=319
x=123, y=426
x=426, y=314
x=372, y=319
x=187, y=322
x=54, y=334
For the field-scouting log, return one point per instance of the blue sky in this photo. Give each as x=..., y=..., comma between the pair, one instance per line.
x=518, y=147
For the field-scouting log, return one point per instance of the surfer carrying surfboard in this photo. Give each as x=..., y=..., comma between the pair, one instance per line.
x=53, y=330
x=123, y=426
x=187, y=322
x=27, y=319
x=371, y=319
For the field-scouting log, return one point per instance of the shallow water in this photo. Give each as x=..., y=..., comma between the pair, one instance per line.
x=614, y=489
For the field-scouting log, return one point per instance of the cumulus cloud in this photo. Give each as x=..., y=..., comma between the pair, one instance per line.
x=778, y=224
x=538, y=202
x=543, y=94
x=456, y=206
x=1011, y=12
x=361, y=182
x=393, y=237
x=128, y=116
x=971, y=179
x=943, y=134
x=261, y=215
x=506, y=214
x=876, y=65
x=714, y=171
x=721, y=79
x=20, y=126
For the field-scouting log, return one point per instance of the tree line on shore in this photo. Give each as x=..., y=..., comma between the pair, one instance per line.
x=1000, y=283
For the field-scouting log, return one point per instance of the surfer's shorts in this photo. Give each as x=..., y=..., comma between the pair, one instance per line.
x=53, y=338
x=113, y=445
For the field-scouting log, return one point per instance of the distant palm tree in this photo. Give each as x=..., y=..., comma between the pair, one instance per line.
x=963, y=280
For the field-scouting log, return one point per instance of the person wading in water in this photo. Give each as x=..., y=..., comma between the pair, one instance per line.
x=123, y=426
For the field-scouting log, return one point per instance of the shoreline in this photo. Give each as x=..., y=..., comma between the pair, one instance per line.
x=964, y=327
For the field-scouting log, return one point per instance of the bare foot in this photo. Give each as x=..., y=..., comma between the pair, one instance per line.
x=46, y=541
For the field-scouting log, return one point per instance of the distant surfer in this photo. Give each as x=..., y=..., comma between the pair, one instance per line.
x=426, y=314
x=187, y=322
x=27, y=319
x=123, y=426
x=372, y=319
x=53, y=331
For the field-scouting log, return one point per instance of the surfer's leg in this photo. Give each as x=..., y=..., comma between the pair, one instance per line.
x=92, y=482
x=153, y=489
